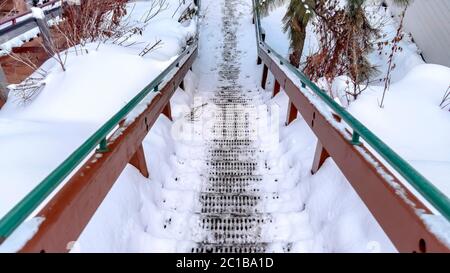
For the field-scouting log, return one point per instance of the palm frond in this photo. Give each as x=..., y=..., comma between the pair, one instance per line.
x=265, y=6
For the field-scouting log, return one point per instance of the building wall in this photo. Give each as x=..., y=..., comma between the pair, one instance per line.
x=429, y=23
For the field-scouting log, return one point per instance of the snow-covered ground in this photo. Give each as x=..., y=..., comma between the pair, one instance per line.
x=152, y=215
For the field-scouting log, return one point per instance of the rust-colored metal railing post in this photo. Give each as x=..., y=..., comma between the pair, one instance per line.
x=292, y=113
x=264, y=76
x=182, y=85
x=321, y=153
x=167, y=111
x=319, y=157
x=276, y=88
x=138, y=161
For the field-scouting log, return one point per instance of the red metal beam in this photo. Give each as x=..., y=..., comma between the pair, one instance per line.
x=264, y=76
x=138, y=161
x=167, y=111
x=319, y=157
x=291, y=113
x=29, y=49
x=399, y=219
x=69, y=211
x=276, y=88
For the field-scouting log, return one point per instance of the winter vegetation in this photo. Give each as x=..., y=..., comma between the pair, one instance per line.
x=445, y=102
x=345, y=37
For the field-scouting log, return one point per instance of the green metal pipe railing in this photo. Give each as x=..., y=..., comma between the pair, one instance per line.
x=21, y=211
x=435, y=197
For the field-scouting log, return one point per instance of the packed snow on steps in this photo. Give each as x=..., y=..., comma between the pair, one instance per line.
x=37, y=136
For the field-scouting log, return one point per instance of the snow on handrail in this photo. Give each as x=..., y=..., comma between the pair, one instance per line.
x=12, y=31
x=432, y=194
x=15, y=18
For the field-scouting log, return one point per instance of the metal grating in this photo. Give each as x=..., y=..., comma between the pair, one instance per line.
x=229, y=203
x=224, y=248
x=231, y=218
x=232, y=229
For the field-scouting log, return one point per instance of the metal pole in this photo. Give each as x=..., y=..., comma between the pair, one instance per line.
x=46, y=36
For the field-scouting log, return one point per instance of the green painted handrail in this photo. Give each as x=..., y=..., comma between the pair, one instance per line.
x=19, y=213
x=435, y=197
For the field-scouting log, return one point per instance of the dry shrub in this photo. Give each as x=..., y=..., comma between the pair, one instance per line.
x=345, y=40
x=91, y=19
x=445, y=99
x=27, y=90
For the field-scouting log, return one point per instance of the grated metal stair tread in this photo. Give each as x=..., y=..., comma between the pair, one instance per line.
x=233, y=203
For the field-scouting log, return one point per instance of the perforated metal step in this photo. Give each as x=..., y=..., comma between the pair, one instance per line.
x=229, y=248
x=227, y=185
x=239, y=166
x=229, y=203
x=233, y=142
x=232, y=229
x=229, y=189
x=233, y=154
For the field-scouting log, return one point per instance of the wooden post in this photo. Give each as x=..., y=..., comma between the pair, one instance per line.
x=291, y=113
x=46, y=37
x=319, y=157
x=276, y=88
x=3, y=89
x=182, y=85
x=321, y=154
x=138, y=161
x=167, y=111
x=264, y=76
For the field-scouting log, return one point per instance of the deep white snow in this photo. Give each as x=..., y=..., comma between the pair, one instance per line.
x=315, y=213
